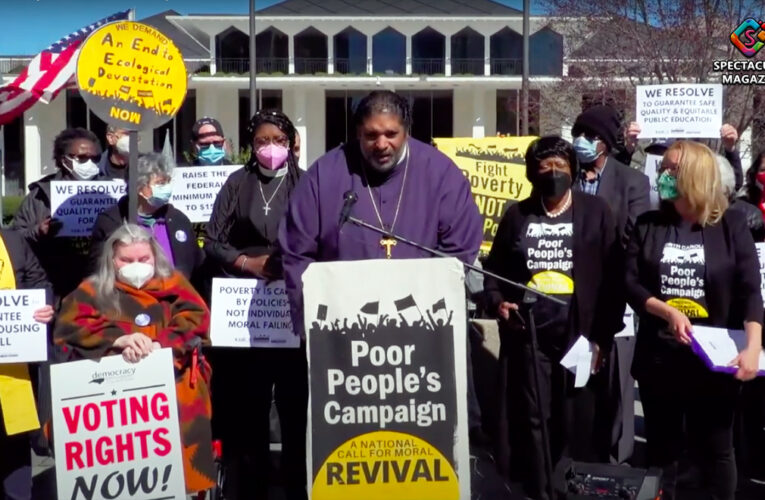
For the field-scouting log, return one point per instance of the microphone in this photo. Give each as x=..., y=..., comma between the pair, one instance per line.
x=350, y=199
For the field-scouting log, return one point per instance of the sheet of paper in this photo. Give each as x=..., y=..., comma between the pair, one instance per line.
x=629, y=323
x=720, y=346
x=578, y=360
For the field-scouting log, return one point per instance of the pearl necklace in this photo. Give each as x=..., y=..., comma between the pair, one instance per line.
x=561, y=211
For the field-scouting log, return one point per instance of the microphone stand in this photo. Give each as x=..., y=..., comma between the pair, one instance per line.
x=529, y=299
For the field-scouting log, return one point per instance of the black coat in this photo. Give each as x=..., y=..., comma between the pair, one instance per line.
x=27, y=269
x=731, y=280
x=627, y=193
x=187, y=254
x=597, y=303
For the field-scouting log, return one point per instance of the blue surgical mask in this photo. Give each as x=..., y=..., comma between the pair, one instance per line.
x=211, y=154
x=586, y=150
x=160, y=194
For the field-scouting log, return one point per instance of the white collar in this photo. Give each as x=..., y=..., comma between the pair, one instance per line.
x=404, y=154
x=279, y=172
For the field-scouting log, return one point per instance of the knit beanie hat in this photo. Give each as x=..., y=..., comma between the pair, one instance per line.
x=601, y=121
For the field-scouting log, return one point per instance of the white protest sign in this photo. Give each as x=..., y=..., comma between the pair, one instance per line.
x=116, y=428
x=76, y=204
x=250, y=313
x=652, y=165
x=679, y=110
x=22, y=339
x=629, y=323
x=761, y=255
x=195, y=189
x=386, y=342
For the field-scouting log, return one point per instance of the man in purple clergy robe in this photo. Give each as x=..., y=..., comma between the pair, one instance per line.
x=403, y=186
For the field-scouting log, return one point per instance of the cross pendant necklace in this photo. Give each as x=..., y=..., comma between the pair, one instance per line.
x=267, y=206
x=388, y=242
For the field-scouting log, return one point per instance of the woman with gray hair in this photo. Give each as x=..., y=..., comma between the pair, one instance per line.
x=170, y=227
x=136, y=303
x=753, y=216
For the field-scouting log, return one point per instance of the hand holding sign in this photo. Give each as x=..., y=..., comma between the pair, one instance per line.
x=679, y=325
x=135, y=346
x=631, y=134
x=748, y=362
x=729, y=136
x=44, y=314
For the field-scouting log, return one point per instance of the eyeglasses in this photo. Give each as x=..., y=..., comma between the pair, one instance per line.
x=83, y=158
x=265, y=141
x=217, y=144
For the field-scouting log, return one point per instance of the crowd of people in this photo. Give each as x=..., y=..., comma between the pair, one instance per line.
x=587, y=236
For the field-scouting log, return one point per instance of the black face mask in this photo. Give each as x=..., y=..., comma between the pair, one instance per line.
x=552, y=184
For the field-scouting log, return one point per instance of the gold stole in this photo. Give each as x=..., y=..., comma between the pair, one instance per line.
x=16, y=396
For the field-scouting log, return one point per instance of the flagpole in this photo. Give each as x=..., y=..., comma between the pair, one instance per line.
x=2, y=172
x=253, y=70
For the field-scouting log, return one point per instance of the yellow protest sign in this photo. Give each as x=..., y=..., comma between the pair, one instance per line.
x=131, y=75
x=382, y=465
x=496, y=170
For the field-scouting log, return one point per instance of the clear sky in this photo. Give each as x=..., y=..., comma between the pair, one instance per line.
x=28, y=26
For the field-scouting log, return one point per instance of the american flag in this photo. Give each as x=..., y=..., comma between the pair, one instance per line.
x=48, y=72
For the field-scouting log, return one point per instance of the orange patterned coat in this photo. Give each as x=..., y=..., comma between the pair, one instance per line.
x=177, y=314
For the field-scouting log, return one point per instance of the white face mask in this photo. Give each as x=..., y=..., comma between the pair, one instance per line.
x=136, y=274
x=123, y=145
x=85, y=170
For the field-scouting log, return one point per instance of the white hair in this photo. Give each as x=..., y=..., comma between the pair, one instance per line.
x=152, y=165
x=727, y=176
x=106, y=274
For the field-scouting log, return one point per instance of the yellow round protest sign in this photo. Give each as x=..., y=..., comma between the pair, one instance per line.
x=552, y=282
x=131, y=75
x=690, y=308
x=382, y=465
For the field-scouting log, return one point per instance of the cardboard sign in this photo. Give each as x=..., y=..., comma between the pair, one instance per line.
x=679, y=110
x=131, y=75
x=116, y=429
x=250, y=313
x=195, y=189
x=76, y=204
x=388, y=404
x=496, y=170
x=22, y=339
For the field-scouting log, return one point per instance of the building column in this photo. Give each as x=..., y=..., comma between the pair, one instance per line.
x=370, y=63
x=408, y=54
x=291, y=54
x=479, y=108
x=487, y=55
x=42, y=123
x=32, y=146
x=330, y=54
x=306, y=107
x=213, y=56
x=448, y=56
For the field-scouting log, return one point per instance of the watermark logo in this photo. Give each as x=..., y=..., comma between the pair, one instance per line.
x=749, y=37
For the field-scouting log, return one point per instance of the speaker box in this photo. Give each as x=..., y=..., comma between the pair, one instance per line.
x=583, y=481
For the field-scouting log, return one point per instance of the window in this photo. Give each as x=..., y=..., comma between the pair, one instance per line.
x=509, y=112
x=13, y=157
x=432, y=115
